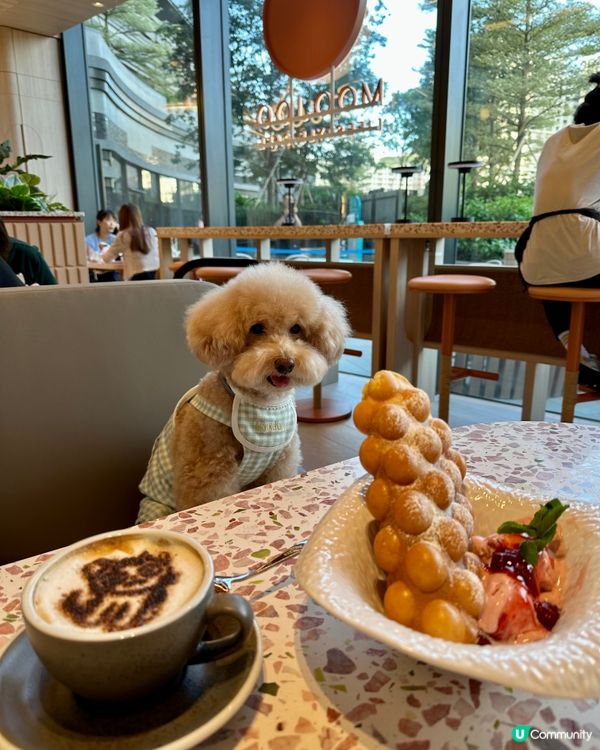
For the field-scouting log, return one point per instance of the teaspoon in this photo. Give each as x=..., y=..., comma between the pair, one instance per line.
x=223, y=583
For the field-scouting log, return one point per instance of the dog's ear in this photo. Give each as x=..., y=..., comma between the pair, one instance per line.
x=213, y=334
x=329, y=332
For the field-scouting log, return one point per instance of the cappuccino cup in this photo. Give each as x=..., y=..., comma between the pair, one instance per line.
x=119, y=615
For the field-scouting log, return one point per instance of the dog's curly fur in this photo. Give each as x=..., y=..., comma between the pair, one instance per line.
x=266, y=331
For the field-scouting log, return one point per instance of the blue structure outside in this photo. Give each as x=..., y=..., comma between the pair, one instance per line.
x=351, y=251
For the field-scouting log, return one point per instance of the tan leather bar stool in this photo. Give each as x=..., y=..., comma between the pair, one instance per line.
x=214, y=274
x=578, y=297
x=216, y=270
x=319, y=409
x=451, y=285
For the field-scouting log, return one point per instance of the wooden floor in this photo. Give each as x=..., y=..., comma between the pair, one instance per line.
x=324, y=444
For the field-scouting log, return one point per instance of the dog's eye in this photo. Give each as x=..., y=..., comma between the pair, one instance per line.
x=257, y=329
x=295, y=328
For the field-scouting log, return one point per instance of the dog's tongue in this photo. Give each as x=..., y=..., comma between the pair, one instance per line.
x=280, y=381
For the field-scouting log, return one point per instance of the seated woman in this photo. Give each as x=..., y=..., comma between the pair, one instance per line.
x=24, y=259
x=138, y=243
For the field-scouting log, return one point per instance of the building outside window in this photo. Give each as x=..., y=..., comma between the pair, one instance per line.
x=144, y=116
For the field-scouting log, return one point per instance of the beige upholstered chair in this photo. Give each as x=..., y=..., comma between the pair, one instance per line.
x=89, y=376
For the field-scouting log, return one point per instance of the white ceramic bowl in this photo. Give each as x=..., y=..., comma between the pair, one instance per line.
x=337, y=569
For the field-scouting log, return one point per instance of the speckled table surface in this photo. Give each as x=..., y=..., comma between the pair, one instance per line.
x=323, y=684
x=423, y=230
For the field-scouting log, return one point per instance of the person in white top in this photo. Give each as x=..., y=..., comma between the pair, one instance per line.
x=137, y=243
x=562, y=243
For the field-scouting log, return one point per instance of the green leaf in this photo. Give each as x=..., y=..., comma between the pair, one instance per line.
x=513, y=527
x=20, y=191
x=529, y=551
x=30, y=157
x=544, y=541
x=541, y=529
x=549, y=515
x=30, y=179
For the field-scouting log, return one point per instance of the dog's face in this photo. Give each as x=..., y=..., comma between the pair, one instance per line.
x=268, y=330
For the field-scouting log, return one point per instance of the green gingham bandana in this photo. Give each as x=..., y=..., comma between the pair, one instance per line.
x=263, y=431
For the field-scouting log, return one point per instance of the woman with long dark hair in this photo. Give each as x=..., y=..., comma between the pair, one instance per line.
x=138, y=244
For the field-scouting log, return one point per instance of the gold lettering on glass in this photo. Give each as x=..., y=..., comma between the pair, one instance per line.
x=294, y=120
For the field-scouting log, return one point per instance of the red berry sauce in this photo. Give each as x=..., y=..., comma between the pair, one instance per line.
x=509, y=560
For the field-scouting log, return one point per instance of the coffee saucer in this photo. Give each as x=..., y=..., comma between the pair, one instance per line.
x=38, y=712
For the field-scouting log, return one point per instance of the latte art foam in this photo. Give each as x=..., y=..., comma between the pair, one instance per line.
x=118, y=584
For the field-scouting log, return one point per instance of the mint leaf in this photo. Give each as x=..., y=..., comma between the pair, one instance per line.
x=545, y=540
x=541, y=529
x=529, y=551
x=513, y=527
x=553, y=510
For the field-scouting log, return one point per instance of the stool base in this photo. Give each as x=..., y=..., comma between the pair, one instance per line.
x=585, y=393
x=331, y=410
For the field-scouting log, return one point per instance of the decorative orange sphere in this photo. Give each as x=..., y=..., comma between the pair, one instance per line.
x=306, y=38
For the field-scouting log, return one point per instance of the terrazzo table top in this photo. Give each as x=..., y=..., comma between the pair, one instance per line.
x=323, y=684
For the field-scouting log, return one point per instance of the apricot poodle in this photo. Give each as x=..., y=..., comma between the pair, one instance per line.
x=263, y=333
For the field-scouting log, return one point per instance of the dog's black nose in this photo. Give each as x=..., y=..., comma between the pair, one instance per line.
x=284, y=366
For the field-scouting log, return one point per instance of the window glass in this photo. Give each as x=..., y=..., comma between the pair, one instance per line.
x=168, y=189
x=343, y=179
x=146, y=179
x=529, y=61
x=142, y=92
x=133, y=177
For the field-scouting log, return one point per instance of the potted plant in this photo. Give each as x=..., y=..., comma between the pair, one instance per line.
x=19, y=188
x=30, y=214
